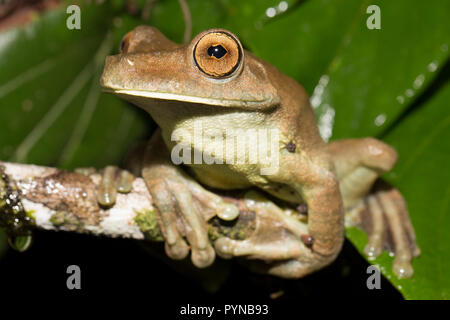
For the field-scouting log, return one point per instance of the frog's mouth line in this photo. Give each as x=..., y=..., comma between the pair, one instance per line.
x=191, y=99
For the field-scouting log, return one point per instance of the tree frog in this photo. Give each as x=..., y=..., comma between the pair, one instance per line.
x=215, y=81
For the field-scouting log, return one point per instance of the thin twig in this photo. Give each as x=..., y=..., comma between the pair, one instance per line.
x=187, y=20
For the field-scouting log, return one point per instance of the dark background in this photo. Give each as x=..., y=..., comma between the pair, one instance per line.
x=123, y=269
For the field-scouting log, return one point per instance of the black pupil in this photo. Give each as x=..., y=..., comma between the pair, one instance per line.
x=217, y=51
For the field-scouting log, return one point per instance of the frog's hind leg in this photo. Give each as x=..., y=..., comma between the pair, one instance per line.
x=279, y=244
x=358, y=163
x=373, y=205
x=113, y=180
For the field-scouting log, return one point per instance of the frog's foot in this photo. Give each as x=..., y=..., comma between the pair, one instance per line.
x=179, y=216
x=384, y=216
x=183, y=205
x=113, y=180
x=280, y=244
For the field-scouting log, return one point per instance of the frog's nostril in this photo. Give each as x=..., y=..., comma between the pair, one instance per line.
x=124, y=43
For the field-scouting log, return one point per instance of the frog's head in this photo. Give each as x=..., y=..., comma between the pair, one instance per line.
x=213, y=69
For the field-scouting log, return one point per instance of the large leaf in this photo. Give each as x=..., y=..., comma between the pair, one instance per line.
x=50, y=94
x=303, y=41
x=422, y=175
x=377, y=74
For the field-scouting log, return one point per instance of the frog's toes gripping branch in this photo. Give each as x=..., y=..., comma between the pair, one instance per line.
x=183, y=209
x=183, y=206
x=277, y=245
x=113, y=180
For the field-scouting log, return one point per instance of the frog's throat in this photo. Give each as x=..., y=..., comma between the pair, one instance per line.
x=193, y=99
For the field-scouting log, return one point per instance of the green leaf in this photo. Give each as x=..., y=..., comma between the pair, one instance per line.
x=20, y=243
x=377, y=74
x=303, y=41
x=422, y=176
x=50, y=92
x=51, y=104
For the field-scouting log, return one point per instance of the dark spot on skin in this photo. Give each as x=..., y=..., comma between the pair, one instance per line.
x=307, y=240
x=290, y=147
x=302, y=208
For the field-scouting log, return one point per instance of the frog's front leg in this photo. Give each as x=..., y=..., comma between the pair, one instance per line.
x=183, y=205
x=379, y=209
x=315, y=181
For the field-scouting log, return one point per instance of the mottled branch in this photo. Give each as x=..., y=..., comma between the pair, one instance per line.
x=52, y=199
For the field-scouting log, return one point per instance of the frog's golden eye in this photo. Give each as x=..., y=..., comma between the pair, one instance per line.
x=218, y=54
x=125, y=43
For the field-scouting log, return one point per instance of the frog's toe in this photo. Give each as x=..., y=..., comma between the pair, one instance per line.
x=402, y=266
x=262, y=250
x=403, y=237
x=203, y=258
x=107, y=192
x=178, y=250
x=374, y=245
x=124, y=182
x=175, y=246
x=113, y=180
x=196, y=232
x=384, y=216
x=288, y=258
x=227, y=211
x=224, y=210
x=224, y=248
x=180, y=217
